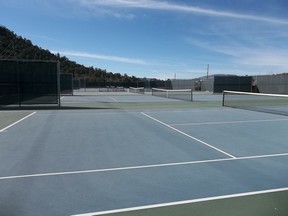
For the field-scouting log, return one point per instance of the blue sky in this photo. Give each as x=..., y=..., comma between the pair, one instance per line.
x=158, y=38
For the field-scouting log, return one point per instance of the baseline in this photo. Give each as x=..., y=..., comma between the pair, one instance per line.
x=183, y=202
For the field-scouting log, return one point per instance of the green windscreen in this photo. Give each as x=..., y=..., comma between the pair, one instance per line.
x=24, y=82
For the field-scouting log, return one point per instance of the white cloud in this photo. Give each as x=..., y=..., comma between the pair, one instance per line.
x=246, y=55
x=271, y=58
x=102, y=57
x=42, y=37
x=164, y=5
x=227, y=49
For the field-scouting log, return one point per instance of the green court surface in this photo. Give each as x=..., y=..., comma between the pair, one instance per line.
x=125, y=154
x=124, y=100
x=140, y=105
x=267, y=204
x=10, y=117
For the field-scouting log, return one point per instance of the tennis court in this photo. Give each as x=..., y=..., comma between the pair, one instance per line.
x=126, y=154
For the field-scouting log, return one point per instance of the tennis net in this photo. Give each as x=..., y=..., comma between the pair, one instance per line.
x=138, y=90
x=269, y=103
x=179, y=94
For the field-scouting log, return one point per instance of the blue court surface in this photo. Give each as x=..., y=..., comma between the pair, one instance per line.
x=104, y=161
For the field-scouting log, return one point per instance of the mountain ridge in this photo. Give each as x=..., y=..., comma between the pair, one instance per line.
x=13, y=46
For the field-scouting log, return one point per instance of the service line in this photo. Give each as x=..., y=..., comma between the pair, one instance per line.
x=117, y=169
x=230, y=122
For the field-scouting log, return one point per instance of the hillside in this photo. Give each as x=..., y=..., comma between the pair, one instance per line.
x=13, y=46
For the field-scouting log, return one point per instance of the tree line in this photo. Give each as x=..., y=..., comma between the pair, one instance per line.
x=13, y=46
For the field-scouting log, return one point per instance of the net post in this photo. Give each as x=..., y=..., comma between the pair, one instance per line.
x=72, y=85
x=191, y=95
x=223, y=96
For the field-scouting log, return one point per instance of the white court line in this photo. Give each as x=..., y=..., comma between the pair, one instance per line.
x=80, y=113
x=222, y=109
x=141, y=167
x=230, y=122
x=187, y=135
x=17, y=122
x=112, y=98
x=184, y=202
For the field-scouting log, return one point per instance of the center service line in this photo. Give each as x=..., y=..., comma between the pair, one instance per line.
x=112, y=98
x=187, y=135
